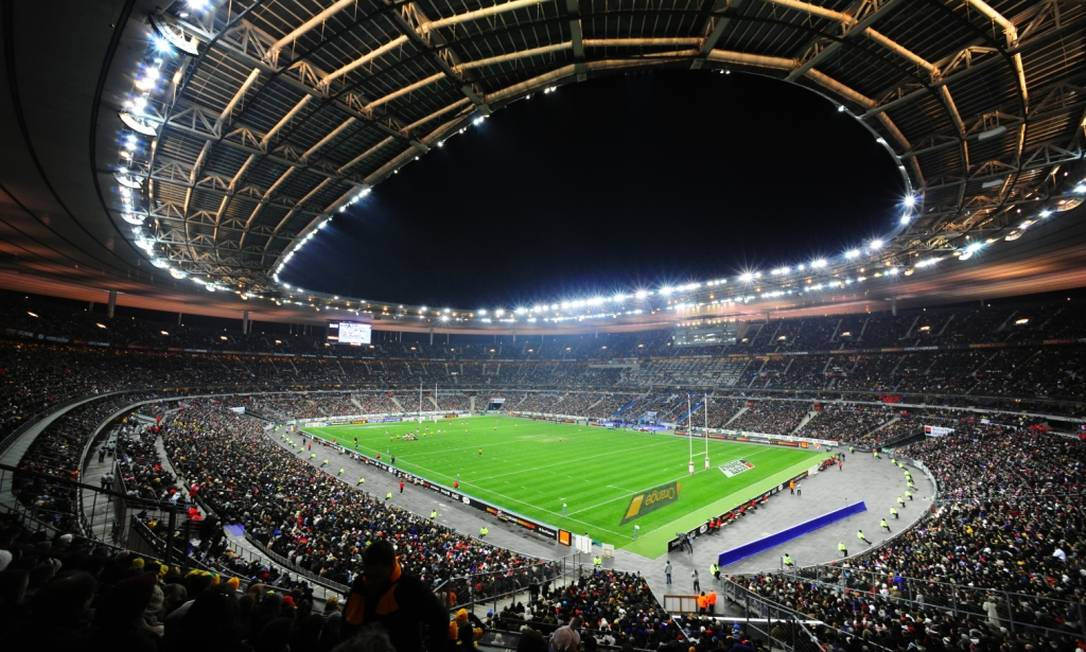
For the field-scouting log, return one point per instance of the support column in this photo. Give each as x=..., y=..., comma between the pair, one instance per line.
x=112, y=304
x=893, y=306
x=246, y=325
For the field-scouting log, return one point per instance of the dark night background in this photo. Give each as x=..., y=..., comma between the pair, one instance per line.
x=602, y=186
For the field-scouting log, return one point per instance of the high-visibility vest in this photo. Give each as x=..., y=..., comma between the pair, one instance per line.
x=787, y=561
x=860, y=535
x=883, y=523
x=841, y=547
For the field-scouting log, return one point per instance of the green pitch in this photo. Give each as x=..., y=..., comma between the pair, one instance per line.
x=532, y=467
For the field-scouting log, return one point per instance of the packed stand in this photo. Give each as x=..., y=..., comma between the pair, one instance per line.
x=66, y=593
x=847, y=421
x=774, y=417
x=1005, y=542
x=317, y=522
x=612, y=607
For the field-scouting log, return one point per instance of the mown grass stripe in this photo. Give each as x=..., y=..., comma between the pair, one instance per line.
x=532, y=466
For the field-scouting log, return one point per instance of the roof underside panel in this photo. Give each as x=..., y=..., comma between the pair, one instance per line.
x=261, y=144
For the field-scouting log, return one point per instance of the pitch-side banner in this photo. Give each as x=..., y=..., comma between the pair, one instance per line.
x=651, y=500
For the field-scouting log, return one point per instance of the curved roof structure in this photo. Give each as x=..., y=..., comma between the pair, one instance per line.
x=225, y=133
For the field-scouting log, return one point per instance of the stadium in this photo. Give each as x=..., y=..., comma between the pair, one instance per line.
x=543, y=325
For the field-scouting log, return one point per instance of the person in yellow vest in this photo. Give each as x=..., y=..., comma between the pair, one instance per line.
x=787, y=561
x=893, y=512
x=483, y=531
x=361, y=481
x=901, y=501
x=909, y=495
x=714, y=570
x=860, y=535
x=842, y=548
x=884, y=524
x=384, y=594
x=388, y=496
x=597, y=562
x=433, y=514
x=341, y=470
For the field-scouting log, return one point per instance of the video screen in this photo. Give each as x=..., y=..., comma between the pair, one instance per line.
x=352, y=332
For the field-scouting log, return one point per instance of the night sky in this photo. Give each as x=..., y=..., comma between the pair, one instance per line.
x=603, y=186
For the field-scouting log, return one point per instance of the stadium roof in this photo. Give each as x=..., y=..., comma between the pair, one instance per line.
x=169, y=149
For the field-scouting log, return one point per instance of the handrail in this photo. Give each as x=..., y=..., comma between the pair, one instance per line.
x=954, y=609
x=794, y=615
x=33, y=419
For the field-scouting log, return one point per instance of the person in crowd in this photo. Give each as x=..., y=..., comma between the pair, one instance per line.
x=405, y=607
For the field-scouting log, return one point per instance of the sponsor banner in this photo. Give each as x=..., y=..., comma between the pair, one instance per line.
x=937, y=431
x=650, y=501
x=565, y=538
x=735, y=467
x=506, y=517
x=731, y=515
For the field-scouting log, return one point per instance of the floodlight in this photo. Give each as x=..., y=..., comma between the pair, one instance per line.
x=137, y=124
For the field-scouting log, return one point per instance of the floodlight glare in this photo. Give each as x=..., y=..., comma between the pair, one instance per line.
x=137, y=124
x=970, y=249
x=133, y=182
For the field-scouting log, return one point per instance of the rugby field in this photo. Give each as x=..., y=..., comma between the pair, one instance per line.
x=532, y=467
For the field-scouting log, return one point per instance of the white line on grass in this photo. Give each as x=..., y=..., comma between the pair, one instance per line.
x=675, y=479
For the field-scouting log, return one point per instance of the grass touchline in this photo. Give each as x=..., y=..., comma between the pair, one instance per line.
x=534, y=467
